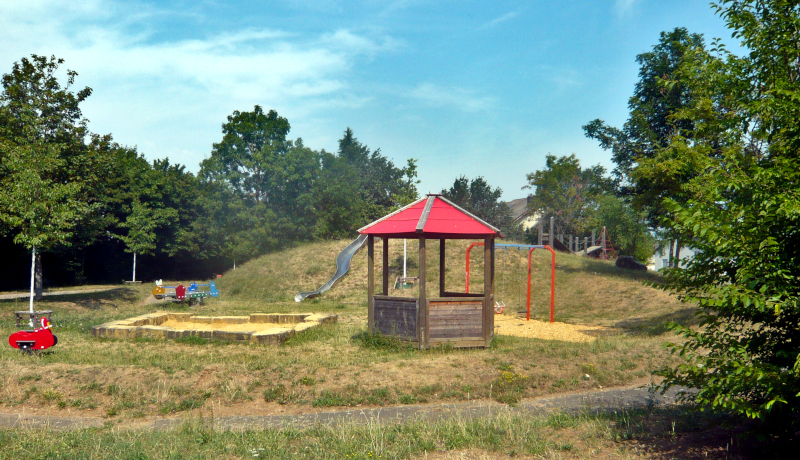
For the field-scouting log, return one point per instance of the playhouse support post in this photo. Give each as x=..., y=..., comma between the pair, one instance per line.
x=552, y=284
x=422, y=311
x=370, y=282
x=488, y=291
x=442, y=268
x=385, y=266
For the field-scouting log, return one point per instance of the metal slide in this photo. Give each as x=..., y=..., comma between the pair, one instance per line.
x=342, y=266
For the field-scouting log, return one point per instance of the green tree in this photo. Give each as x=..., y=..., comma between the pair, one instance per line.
x=142, y=223
x=245, y=158
x=568, y=192
x=42, y=156
x=652, y=126
x=357, y=186
x=743, y=215
x=627, y=226
x=479, y=198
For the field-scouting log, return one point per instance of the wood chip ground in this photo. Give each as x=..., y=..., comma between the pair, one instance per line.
x=519, y=327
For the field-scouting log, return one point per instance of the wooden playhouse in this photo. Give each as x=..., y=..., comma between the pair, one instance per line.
x=461, y=319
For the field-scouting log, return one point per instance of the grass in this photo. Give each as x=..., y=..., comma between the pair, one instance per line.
x=341, y=364
x=638, y=434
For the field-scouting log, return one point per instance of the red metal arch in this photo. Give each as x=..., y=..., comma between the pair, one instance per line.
x=530, y=257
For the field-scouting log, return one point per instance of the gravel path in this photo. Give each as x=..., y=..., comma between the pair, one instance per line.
x=597, y=401
x=25, y=295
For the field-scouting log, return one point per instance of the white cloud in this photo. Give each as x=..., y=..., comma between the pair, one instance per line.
x=459, y=98
x=624, y=6
x=499, y=20
x=170, y=96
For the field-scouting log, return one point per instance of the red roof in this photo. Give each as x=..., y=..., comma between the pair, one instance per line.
x=443, y=219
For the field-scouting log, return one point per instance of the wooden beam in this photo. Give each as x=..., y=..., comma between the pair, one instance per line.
x=425, y=213
x=385, y=266
x=442, y=267
x=488, y=292
x=370, y=282
x=422, y=311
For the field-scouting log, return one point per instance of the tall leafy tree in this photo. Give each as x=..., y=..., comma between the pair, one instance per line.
x=42, y=155
x=568, y=192
x=627, y=226
x=652, y=126
x=358, y=185
x=479, y=198
x=142, y=224
x=245, y=158
x=743, y=214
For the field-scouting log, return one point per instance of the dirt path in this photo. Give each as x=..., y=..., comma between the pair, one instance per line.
x=25, y=295
x=611, y=399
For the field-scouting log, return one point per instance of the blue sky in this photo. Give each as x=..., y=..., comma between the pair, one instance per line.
x=466, y=87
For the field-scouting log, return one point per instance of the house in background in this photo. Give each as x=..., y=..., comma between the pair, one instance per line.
x=661, y=259
x=522, y=214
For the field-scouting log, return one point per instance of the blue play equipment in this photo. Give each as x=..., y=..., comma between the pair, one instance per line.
x=212, y=289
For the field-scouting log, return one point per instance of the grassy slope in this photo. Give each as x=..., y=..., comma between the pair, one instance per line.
x=337, y=365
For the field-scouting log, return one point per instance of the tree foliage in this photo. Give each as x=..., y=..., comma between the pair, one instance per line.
x=743, y=214
x=625, y=225
x=654, y=124
x=88, y=200
x=44, y=163
x=568, y=192
x=479, y=198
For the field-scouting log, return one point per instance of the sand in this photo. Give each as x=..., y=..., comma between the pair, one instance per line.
x=519, y=327
x=244, y=327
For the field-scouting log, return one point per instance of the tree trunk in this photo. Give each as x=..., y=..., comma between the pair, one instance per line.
x=33, y=269
x=134, y=268
x=37, y=285
x=671, y=251
x=677, y=253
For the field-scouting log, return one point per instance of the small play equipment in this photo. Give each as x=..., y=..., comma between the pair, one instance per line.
x=342, y=267
x=457, y=318
x=38, y=339
x=178, y=293
x=181, y=293
x=530, y=248
x=405, y=282
x=194, y=291
x=31, y=317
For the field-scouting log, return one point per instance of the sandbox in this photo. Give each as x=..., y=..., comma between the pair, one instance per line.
x=266, y=328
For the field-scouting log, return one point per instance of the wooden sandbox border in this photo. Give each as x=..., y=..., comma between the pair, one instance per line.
x=150, y=326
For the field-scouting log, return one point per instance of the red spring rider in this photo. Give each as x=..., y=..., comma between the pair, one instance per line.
x=38, y=339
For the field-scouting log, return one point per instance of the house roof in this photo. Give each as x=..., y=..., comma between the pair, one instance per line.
x=431, y=217
x=519, y=208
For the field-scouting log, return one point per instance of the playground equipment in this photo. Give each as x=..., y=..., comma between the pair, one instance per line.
x=38, y=339
x=180, y=293
x=428, y=319
x=194, y=291
x=342, y=267
x=530, y=258
x=405, y=281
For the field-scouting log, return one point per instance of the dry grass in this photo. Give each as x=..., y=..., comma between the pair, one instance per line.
x=338, y=364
